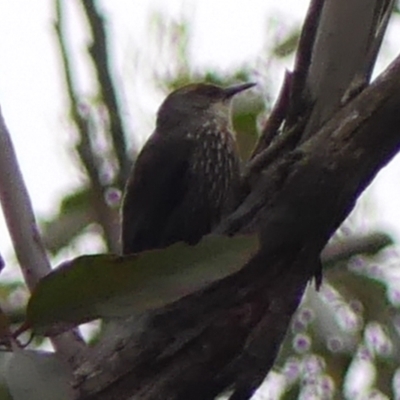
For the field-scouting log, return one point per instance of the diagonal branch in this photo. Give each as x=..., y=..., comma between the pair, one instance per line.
x=29, y=249
x=299, y=101
x=87, y=155
x=101, y=60
x=278, y=113
x=343, y=55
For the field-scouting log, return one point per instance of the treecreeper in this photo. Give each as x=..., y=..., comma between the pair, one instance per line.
x=187, y=176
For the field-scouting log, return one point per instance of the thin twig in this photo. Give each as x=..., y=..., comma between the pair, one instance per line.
x=342, y=250
x=274, y=121
x=99, y=53
x=283, y=143
x=291, y=102
x=87, y=155
x=303, y=61
x=19, y=215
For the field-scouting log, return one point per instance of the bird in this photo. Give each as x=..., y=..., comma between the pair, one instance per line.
x=187, y=176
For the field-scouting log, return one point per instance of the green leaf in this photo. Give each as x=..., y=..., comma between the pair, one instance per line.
x=109, y=286
x=76, y=213
x=288, y=45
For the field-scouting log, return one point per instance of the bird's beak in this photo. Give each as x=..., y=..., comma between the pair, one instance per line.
x=232, y=90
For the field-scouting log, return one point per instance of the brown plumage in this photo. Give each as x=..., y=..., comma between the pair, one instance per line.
x=186, y=177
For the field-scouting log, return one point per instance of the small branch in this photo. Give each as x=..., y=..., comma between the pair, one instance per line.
x=88, y=157
x=271, y=127
x=101, y=61
x=19, y=215
x=304, y=54
x=283, y=143
x=381, y=15
x=342, y=250
x=342, y=59
x=30, y=252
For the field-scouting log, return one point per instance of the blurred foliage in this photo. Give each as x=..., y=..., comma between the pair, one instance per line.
x=397, y=8
x=288, y=45
x=351, y=322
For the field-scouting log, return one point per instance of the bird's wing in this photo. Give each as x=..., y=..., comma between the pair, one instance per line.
x=157, y=185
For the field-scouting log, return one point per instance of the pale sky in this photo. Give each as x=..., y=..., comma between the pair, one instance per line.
x=225, y=33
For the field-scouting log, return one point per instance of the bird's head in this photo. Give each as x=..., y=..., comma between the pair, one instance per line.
x=199, y=99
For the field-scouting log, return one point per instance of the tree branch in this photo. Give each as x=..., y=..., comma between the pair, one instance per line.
x=25, y=236
x=87, y=155
x=338, y=69
x=342, y=250
x=299, y=98
x=100, y=57
x=229, y=334
x=276, y=117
